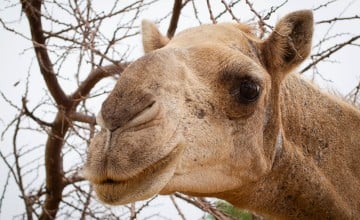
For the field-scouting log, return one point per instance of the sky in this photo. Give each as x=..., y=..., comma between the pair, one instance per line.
x=340, y=74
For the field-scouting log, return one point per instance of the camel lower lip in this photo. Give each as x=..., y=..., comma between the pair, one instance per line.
x=144, y=185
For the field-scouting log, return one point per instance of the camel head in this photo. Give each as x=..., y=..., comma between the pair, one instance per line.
x=198, y=113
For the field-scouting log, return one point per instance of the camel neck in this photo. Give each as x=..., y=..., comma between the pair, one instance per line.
x=323, y=128
x=316, y=174
x=318, y=169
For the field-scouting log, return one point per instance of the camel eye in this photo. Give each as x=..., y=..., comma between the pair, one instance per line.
x=248, y=91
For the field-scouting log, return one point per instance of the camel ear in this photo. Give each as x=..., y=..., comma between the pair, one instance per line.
x=289, y=43
x=151, y=37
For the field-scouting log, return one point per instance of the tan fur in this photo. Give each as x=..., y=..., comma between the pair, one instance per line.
x=173, y=124
x=152, y=39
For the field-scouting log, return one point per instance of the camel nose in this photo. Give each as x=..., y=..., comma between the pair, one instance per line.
x=127, y=112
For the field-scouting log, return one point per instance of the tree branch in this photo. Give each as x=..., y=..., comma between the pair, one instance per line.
x=94, y=77
x=324, y=5
x=205, y=206
x=338, y=19
x=54, y=166
x=73, y=179
x=210, y=12
x=174, y=18
x=32, y=10
x=329, y=52
x=20, y=183
x=230, y=11
x=32, y=116
x=77, y=116
x=177, y=208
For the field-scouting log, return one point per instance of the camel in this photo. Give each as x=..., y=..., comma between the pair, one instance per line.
x=215, y=112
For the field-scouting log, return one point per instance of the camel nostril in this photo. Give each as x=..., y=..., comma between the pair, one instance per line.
x=119, y=112
x=146, y=115
x=150, y=105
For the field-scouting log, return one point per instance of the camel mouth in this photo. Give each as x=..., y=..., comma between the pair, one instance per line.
x=110, y=182
x=143, y=185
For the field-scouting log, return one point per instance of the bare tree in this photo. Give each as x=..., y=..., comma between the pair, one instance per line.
x=82, y=47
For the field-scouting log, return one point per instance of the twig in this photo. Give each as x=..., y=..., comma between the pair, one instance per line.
x=230, y=11
x=324, y=5
x=94, y=77
x=132, y=211
x=177, y=208
x=210, y=12
x=329, y=52
x=4, y=189
x=338, y=19
x=231, y=5
x=196, y=13
x=261, y=21
x=273, y=9
x=205, y=206
x=32, y=116
x=20, y=183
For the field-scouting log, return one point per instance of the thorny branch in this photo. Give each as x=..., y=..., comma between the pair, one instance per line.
x=228, y=8
x=177, y=208
x=94, y=77
x=66, y=111
x=261, y=19
x=28, y=205
x=324, y=5
x=338, y=19
x=327, y=53
x=32, y=116
x=210, y=12
x=32, y=10
x=230, y=5
x=354, y=95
